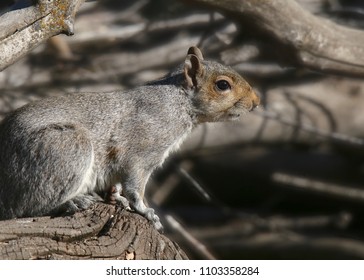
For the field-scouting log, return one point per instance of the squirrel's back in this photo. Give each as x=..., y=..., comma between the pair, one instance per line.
x=118, y=128
x=58, y=154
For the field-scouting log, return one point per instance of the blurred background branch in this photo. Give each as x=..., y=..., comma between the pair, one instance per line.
x=297, y=36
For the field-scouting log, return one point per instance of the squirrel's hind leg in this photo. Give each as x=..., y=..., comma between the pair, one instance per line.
x=78, y=203
x=59, y=174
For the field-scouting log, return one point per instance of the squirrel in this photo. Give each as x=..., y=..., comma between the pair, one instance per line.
x=58, y=154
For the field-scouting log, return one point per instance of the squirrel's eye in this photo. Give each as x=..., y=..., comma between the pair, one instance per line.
x=223, y=85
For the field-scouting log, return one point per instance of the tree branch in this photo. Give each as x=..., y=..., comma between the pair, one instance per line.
x=303, y=39
x=22, y=30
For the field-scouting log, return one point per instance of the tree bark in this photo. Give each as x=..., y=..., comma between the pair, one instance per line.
x=24, y=29
x=101, y=232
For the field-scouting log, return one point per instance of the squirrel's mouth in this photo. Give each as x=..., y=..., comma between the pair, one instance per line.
x=238, y=109
x=234, y=115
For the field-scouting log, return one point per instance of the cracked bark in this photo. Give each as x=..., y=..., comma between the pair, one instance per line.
x=101, y=232
x=24, y=29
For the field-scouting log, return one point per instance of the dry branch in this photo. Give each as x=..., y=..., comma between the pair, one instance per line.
x=302, y=38
x=194, y=243
x=312, y=185
x=286, y=245
x=280, y=237
x=22, y=30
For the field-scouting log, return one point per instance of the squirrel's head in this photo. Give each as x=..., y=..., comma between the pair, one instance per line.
x=218, y=92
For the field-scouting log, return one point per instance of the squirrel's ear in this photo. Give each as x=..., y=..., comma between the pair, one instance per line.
x=196, y=51
x=192, y=70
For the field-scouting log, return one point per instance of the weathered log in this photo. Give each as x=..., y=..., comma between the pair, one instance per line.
x=101, y=232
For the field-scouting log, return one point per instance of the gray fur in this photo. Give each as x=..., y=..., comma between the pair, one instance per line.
x=58, y=154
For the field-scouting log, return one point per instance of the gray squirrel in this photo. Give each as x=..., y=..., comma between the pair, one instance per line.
x=58, y=154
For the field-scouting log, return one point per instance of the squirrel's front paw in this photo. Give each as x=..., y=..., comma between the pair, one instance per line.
x=123, y=202
x=151, y=216
x=138, y=205
x=114, y=197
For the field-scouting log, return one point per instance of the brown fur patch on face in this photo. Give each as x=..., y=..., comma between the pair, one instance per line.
x=222, y=93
